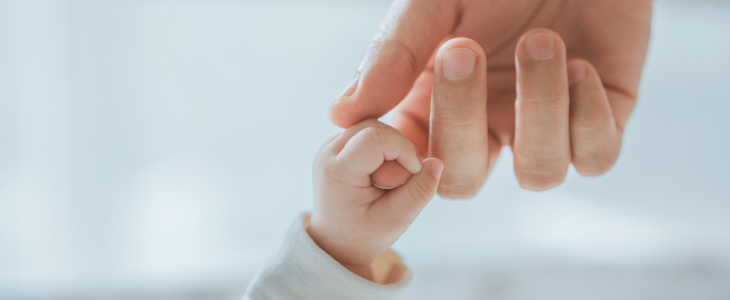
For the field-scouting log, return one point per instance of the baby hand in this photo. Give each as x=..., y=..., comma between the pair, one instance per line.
x=354, y=221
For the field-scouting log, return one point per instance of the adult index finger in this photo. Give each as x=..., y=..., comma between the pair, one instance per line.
x=541, y=147
x=459, y=133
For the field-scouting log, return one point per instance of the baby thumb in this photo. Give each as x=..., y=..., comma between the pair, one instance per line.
x=409, y=199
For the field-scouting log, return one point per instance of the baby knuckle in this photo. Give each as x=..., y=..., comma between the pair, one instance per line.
x=332, y=168
x=375, y=135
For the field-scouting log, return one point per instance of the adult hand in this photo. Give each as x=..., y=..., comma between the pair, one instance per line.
x=563, y=79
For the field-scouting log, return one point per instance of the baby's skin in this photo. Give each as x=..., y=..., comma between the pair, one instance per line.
x=353, y=220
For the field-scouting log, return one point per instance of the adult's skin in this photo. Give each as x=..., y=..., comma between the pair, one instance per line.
x=563, y=80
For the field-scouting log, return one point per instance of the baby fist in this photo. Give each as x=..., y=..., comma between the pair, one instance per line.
x=353, y=220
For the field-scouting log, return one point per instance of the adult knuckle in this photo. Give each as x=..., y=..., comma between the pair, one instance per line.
x=587, y=119
x=386, y=42
x=458, y=117
x=542, y=104
x=407, y=53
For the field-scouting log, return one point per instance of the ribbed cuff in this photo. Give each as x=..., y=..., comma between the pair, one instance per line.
x=301, y=270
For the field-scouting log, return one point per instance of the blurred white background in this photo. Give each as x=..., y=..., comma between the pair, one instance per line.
x=160, y=149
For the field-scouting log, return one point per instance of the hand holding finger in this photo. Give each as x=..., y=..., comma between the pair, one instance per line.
x=368, y=149
x=407, y=201
x=390, y=175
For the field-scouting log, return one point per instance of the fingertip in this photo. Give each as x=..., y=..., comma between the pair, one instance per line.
x=351, y=88
x=347, y=112
x=340, y=110
x=539, y=182
x=338, y=115
x=461, y=42
x=539, y=44
x=460, y=59
x=415, y=166
x=435, y=166
x=598, y=165
x=458, y=64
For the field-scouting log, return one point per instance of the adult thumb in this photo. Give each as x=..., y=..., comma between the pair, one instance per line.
x=408, y=37
x=409, y=199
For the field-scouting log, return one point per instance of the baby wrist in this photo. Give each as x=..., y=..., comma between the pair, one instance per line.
x=358, y=265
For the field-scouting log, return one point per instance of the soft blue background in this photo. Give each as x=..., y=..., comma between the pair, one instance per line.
x=164, y=147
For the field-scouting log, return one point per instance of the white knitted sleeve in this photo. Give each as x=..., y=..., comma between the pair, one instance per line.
x=301, y=270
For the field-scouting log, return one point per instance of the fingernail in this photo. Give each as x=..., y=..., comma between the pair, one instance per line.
x=458, y=63
x=540, y=46
x=437, y=166
x=351, y=88
x=577, y=72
